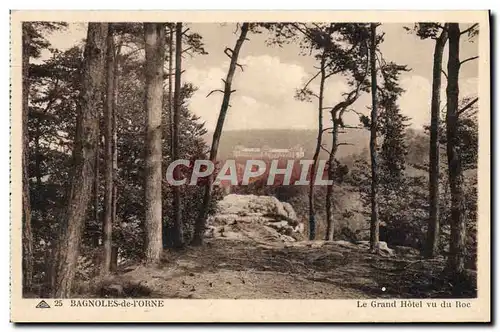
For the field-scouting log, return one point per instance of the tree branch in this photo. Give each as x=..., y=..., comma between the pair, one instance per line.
x=469, y=105
x=228, y=50
x=469, y=59
x=442, y=27
x=217, y=90
x=240, y=66
x=469, y=29
x=446, y=75
x=312, y=79
x=324, y=149
x=187, y=49
x=354, y=111
x=353, y=127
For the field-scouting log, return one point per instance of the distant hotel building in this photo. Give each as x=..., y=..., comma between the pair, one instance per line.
x=267, y=152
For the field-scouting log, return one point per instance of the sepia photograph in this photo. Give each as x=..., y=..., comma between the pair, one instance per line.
x=268, y=158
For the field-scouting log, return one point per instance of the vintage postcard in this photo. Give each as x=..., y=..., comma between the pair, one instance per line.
x=204, y=166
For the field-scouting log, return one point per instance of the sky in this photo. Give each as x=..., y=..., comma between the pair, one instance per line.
x=264, y=97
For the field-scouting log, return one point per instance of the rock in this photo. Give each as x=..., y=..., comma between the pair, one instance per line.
x=299, y=228
x=384, y=249
x=288, y=230
x=289, y=210
x=363, y=244
x=278, y=225
x=250, y=205
x=344, y=244
x=225, y=219
x=286, y=238
x=245, y=217
x=315, y=244
x=233, y=235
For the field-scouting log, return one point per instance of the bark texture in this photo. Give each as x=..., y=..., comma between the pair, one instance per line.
x=457, y=238
x=84, y=151
x=433, y=226
x=312, y=210
x=154, y=35
x=177, y=236
x=107, y=227
x=27, y=233
x=374, y=222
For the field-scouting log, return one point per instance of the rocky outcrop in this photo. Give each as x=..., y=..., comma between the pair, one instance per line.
x=262, y=218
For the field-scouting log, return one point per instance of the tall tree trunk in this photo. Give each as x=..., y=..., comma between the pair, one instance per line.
x=312, y=210
x=199, y=230
x=107, y=226
x=84, y=152
x=331, y=176
x=114, y=256
x=95, y=235
x=178, y=238
x=154, y=35
x=374, y=222
x=433, y=226
x=171, y=88
x=457, y=238
x=27, y=233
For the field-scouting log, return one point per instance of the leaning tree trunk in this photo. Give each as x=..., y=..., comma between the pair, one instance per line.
x=374, y=222
x=331, y=176
x=84, y=152
x=457, y=238
x=27, y=233
x=312, y=210
x=107, y=226
x=154, y=35
x=177, y=236
x=199, y=229
x=433, y=226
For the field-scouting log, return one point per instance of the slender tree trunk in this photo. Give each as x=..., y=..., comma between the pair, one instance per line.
x=95, y=239
x=107, y=226
x=114, y=220
x=178, y=238
x=154, y=35
x=374, y=222
x=84, y=152
x=457, y=238
x=331, y=176
x=312, y=212
x=27, y=233
x=199, y=230
x=171, y=89
x=433, y=226
x=38, y=161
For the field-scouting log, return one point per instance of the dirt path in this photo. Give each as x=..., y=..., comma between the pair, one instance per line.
x=244, y=270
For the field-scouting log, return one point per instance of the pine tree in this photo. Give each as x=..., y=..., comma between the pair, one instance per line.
x=154, y=36
x=65, y=258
